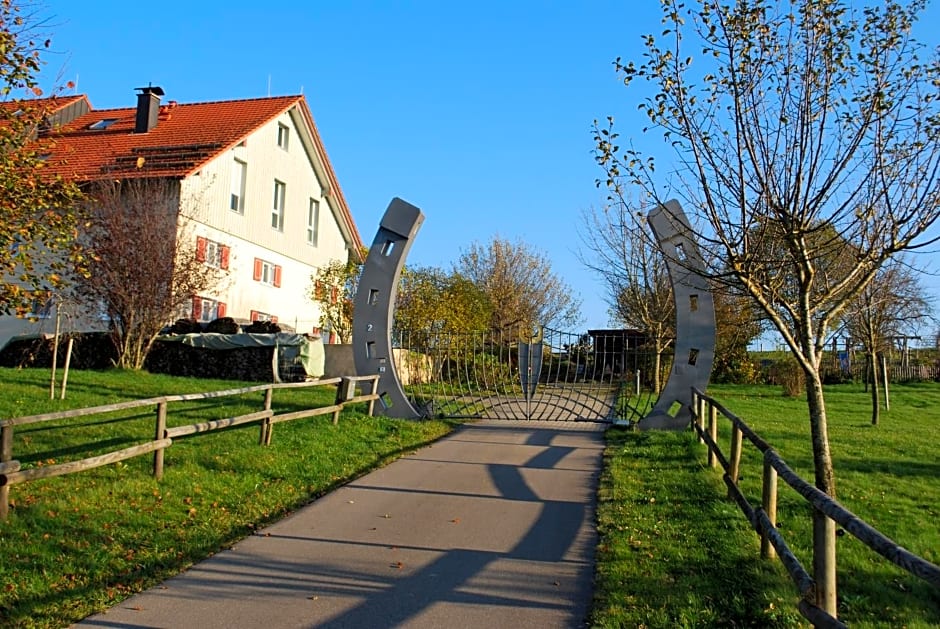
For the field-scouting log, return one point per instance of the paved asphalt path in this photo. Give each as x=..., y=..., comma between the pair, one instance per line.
x=493, y=526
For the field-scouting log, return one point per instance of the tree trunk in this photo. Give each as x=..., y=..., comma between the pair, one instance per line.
x=875, y=391
x=657, y=366
x=824, y=530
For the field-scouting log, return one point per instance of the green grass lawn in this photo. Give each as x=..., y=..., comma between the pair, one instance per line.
x=676, y=553
x=74, y=545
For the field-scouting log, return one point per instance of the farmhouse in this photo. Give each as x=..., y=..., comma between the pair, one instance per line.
x=262, y=202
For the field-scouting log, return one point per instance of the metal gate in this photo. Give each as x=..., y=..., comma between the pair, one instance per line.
x=536, y=375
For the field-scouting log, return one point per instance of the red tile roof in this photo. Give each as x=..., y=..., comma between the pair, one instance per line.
x=49, y=104
x=186, y=136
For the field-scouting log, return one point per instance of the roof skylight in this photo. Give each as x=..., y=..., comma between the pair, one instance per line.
x=102, y=124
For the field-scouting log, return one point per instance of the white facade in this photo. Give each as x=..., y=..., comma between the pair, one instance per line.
x=266, y=211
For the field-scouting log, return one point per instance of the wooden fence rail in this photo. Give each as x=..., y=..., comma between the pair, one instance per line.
x=763, y=519
x=350, y=390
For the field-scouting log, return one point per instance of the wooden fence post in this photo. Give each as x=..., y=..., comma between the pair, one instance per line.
x=769, y=503
x=824, y=562
x=713, y=433
x=374, y=387
x=700, y=416
x=159, y=433
x=6, y=454
x=267, y=428
x=735, y=463
x=345, y=390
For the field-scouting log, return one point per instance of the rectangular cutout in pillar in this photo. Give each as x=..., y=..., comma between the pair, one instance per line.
x=388, y=247
x=693, y=303
x=373, y=296
x=681, y=255
x=693, y=356
x=370, y=349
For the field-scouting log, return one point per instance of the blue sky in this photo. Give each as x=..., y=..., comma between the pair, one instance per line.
x=478, y=113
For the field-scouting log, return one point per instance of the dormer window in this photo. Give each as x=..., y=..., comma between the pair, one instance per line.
x=102, y=124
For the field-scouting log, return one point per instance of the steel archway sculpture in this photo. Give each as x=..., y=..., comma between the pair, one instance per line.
x=695, y=314
x=375, y=302
x=695, y=319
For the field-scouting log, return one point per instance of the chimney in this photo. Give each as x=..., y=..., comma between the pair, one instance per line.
x=148, y=107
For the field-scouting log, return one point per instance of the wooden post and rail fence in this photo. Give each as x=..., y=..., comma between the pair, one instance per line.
x=350, y=390
x=817, y=591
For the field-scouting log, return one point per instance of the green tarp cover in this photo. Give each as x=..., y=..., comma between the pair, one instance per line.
x=309, y=351
x=211, y=340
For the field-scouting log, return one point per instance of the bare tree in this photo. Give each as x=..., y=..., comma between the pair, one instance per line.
x=146, y=266
x=891, y=306
x=520, y=285
x=795, y=120
x=620, y=251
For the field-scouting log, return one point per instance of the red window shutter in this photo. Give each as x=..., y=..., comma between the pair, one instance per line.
x=317, y=290
x=223, y=263
x=221, y=311
x=277, y=275
x=257, y=273
x=254, y=315
x=200, y=249
x=197, y=308
x=316, y=330
x=334, y=292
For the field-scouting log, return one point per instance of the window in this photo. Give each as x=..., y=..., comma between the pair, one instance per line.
x=205, y=309
x=262, y=316
x=102, y=124
x=283, y=135
x=267, y=273
x=212, y=253
x=239, y=168
x=277, y=213
x=313, y=222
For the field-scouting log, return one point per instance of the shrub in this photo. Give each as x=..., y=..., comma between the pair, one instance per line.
x=790, y=376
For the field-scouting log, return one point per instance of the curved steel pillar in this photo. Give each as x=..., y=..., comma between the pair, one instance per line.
x=695, y=319
x=374, y=305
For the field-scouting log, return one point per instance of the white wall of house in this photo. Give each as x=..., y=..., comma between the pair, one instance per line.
x=285, y=247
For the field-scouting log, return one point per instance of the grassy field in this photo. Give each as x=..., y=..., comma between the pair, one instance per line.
x=76, y=544
x=687, y=557
x=674, y=552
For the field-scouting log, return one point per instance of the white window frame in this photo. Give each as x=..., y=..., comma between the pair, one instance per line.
x=208, y=309
x=268, y=272
x=213, y=254
x=283, y=135
x=257, y=315
x=239, y=175
x=313, y=222
x=277, y=212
